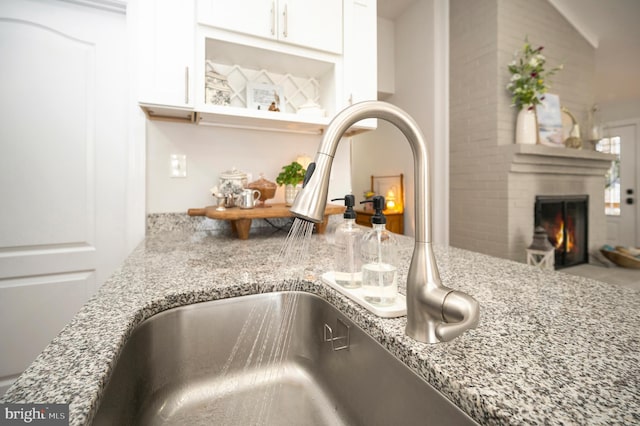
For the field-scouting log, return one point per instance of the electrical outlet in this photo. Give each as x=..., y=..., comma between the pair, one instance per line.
x=178, y=166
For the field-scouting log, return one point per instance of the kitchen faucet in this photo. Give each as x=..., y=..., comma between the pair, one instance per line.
x=435, y=313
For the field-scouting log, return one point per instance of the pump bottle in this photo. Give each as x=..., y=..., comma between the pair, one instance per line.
x=348, y=236
x=379, y=253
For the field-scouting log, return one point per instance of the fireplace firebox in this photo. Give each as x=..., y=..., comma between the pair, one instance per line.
x=565, y=218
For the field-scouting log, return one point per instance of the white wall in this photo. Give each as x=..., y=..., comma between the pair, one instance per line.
x=386, y=55
x=369, y=154
x=213, y=150
x=421, y=89
x=619, y=110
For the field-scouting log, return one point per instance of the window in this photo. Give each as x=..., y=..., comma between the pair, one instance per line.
x=612, y=187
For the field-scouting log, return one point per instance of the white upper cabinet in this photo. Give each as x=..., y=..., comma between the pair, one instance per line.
x=320, y=53
x=166, y=48
x=310, y=24
x=360, y=53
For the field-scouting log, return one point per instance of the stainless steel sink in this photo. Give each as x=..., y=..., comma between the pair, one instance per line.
x=286, y=358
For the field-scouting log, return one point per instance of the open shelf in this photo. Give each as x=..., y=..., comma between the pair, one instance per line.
x=303, y=76
x=168, y=113
x=228, y=116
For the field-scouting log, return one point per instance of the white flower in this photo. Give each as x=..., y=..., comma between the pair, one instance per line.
x=516, y=77
x=540, y=57
x=533, y=62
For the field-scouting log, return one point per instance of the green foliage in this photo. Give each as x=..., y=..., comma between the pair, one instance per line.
x=528, y=77
x=291, y=174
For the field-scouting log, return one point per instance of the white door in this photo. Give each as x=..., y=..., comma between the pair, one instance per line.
x=623, y=222
x=63, y=167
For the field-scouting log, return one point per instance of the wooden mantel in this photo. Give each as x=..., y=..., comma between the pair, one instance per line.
x=552, y=160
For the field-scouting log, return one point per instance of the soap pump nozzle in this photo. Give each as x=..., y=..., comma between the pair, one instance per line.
x=349, y=202
x=378, y=205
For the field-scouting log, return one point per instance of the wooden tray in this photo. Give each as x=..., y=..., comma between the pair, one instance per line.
x=241, y=218
x=621, y=259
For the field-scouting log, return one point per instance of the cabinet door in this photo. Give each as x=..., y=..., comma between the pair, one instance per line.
x=360, y=53
x=315, y=24
x=166, y=52
x=254, y=17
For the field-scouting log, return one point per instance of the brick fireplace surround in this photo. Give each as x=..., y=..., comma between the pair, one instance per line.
x=539, y=170
x=502, y=221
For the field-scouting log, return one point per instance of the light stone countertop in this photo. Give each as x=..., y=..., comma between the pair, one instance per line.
x=550, y=348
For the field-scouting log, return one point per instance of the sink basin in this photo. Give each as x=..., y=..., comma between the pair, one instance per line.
x=287, y=358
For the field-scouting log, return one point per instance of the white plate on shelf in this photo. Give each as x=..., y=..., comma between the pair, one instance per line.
x=398, y=309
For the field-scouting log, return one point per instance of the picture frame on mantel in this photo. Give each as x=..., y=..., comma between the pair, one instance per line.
x=549, y=114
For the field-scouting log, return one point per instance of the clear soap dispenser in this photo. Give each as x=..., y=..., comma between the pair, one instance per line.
x=348, y=236
x=379, y=254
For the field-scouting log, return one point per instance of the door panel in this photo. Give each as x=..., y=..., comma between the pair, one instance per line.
x=623, y=230
x=45, y=156
x=26, y=299
x=45, y=259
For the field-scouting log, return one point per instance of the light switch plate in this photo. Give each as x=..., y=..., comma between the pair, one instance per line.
x=178, y=166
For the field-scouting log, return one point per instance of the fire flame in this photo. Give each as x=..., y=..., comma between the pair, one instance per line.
x=560, y=233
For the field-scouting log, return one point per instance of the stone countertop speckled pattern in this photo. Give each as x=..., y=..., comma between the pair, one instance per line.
x=550, y=348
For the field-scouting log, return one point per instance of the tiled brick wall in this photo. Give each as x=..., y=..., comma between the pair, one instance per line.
x=491, y=207
x=478, y=185
x=544, y=26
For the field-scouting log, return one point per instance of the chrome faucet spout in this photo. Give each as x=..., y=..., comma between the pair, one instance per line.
x=435, y=313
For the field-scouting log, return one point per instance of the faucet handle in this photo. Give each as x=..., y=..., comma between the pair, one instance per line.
x=461, y=312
